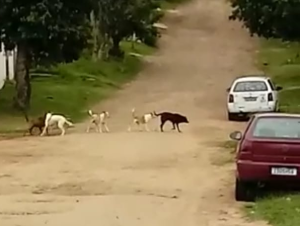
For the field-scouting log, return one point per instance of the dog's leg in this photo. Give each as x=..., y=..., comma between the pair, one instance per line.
x=40, y=129
x=140, y=128
x=173, y=126
x=106, y=128
x=178, y=128
x=47, y=119
x=44, y=130
x=88, y=128
x=97, y=128
x=146, y=127
x=30, y=130
x=130, y=125
x=63, y=131
x=162, y=125
x=60, y=125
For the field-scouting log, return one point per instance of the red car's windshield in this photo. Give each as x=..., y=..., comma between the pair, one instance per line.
x=277, y=127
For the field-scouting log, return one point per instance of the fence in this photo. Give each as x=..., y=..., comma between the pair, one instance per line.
x=7, y=65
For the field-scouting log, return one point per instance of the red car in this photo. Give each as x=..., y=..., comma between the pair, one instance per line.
x=267, y=152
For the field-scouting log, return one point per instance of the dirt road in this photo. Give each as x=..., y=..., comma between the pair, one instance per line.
x=121, y=178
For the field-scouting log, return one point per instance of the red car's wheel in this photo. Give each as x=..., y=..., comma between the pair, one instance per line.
x=244, y=191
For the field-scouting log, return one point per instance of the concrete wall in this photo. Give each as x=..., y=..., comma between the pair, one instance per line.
x=3, y=66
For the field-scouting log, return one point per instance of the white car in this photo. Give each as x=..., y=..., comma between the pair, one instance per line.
x=251, y=94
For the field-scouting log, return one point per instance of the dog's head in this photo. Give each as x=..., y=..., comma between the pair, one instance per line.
x=185, y=120
x=106, y=114
x=153, y=114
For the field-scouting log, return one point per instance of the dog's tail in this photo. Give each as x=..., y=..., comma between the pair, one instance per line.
x=133, y=112
x=90, y=112
x=69, y=123
x=159, y=114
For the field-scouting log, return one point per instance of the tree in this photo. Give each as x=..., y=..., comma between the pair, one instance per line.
x=119, y=19
x=269, y=18
x=43, y=31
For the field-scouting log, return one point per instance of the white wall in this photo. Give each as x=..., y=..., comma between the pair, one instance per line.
x=11, y=65
x=2, y=68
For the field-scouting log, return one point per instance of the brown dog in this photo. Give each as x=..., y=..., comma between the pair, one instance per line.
x=36, y=123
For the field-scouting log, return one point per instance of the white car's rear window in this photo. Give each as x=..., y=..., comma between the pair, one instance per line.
x=250, y=86
x=280, y=127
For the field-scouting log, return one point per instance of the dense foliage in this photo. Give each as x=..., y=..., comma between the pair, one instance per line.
x=119, y=19
x=45, y=32
x=42, y=31
x=269, y=18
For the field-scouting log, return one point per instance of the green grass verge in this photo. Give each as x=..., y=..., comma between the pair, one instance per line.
x=283, y=65
x=281, y=61
x=71, y=88
x=276, y=210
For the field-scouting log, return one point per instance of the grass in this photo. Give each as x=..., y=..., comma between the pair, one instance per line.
x=283, y=65
x=281, y=61
x=276, y=210
x=71, y=88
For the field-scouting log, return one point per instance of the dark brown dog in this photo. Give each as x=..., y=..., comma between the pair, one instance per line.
x=36, y=123
x=174, y=118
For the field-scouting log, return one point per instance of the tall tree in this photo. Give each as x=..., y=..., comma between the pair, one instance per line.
x=43, y=31
x=269, y=18
x=119, y=19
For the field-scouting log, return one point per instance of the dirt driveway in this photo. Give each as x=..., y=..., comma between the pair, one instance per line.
x=139, y=178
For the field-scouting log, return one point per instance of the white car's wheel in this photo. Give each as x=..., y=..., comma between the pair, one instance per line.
x=277, y=109
x=231, y=116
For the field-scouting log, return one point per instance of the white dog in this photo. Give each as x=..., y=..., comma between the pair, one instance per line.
x=144, y=119
x=98, y=120
x=58, y=120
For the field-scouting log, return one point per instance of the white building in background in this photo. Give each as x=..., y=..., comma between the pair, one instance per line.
x=7, y=65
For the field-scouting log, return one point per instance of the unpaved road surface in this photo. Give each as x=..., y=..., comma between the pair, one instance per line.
x=139, y=178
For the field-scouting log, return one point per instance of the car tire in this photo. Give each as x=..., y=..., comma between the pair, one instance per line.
x=244, y=191
x=277, y=109
x=231, y=116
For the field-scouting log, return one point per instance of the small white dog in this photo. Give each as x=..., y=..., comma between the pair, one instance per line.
x=58, y=120
x=144, y=119
x=98, y=120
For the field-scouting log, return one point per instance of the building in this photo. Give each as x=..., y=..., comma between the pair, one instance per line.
x=7, y=65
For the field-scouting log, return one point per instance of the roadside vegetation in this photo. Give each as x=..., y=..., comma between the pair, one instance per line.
x=277, y=210
x=70, y=88
x=281, y=60
x=81, y=54
x=275, y=22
